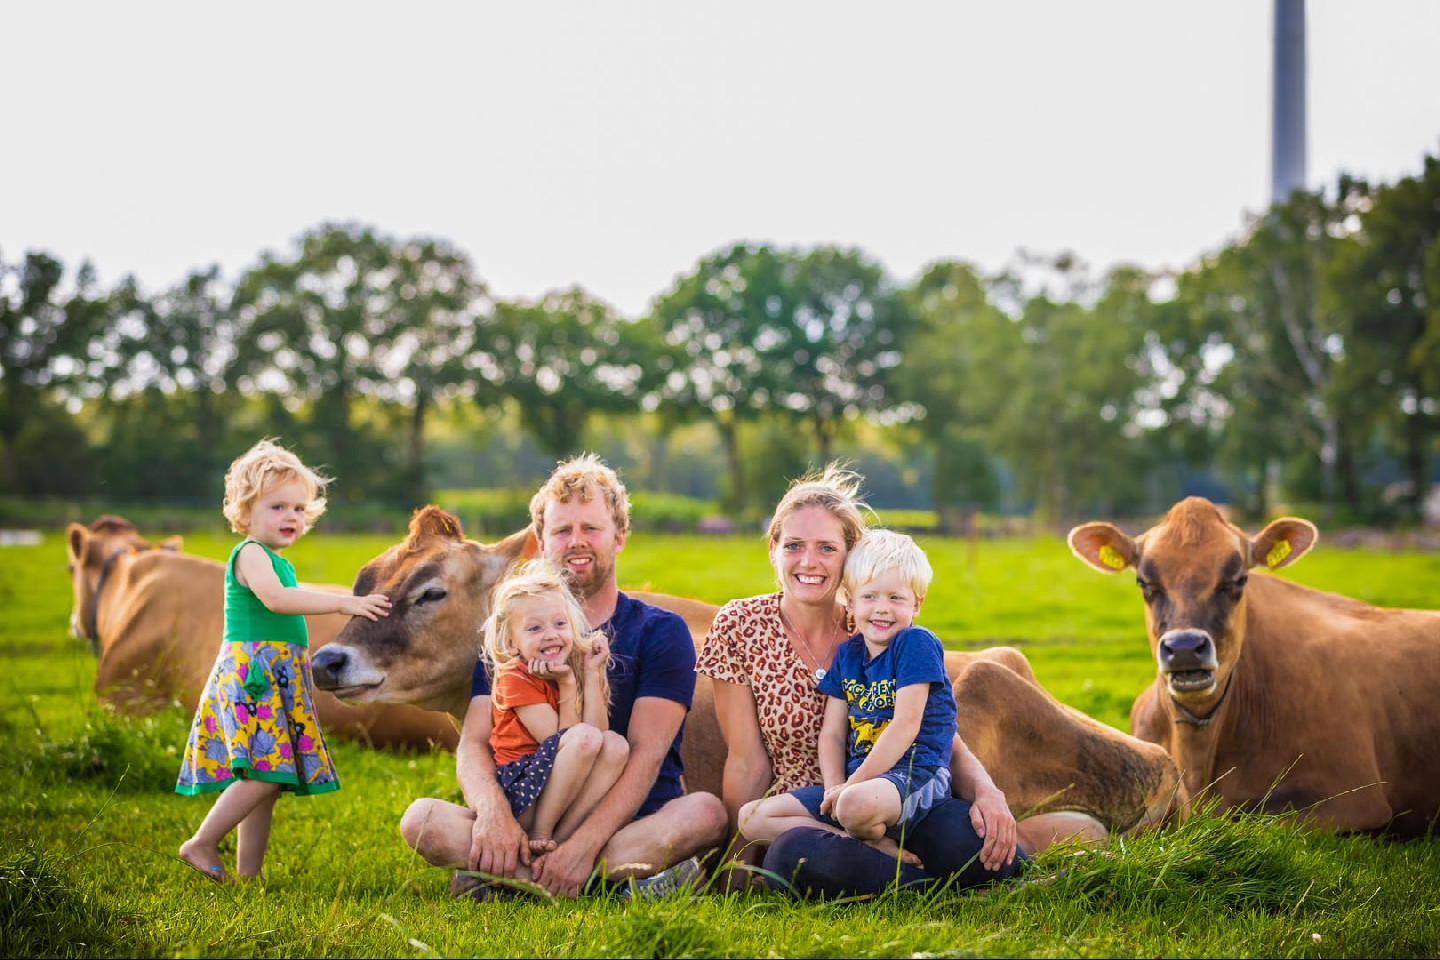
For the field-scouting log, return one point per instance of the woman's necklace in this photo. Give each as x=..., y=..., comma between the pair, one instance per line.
x=809, y=653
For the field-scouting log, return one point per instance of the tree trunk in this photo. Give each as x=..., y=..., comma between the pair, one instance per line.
x=730, y=434
x=824, y=438
x=1415, y=463
x=417, y=438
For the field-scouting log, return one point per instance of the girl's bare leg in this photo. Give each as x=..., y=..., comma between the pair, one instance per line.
x=579, y=746
x=202, y=851
x=614, y=751
x=252, y=836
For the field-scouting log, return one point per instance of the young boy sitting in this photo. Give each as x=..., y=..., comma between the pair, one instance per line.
x=890, y=721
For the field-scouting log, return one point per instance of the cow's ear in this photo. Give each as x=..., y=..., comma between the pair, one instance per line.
x=76, y=536
x=1283, y=542
x=431, y=521
x=173, y=544
x=1102, y=546
x=520, y=545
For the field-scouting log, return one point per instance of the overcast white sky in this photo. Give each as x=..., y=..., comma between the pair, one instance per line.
x=614, y=144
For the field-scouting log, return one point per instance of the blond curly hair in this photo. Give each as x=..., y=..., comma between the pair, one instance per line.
x=261, y=468
x=582, y=478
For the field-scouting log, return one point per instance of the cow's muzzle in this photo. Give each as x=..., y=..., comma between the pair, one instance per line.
x=1187, y=658
x=337, y=671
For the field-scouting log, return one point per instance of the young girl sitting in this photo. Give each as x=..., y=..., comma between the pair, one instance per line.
x=255, y=732
x=555, y=755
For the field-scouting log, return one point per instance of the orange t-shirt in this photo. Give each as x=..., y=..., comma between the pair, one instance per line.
x=516, y=687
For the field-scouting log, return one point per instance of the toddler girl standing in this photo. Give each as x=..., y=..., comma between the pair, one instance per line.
x=255, y=731
x=555, y=755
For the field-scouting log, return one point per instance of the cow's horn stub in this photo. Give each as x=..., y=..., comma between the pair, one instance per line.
x=431, y=521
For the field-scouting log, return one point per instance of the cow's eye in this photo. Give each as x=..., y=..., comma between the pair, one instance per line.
x=430, y=595
x=1238, y=584
x=1148, y=589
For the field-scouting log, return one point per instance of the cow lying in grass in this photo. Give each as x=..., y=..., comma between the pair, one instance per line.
x=1044, y=755
x=154, y=617
x=1272, y=695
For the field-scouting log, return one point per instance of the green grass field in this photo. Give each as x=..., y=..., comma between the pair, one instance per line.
x=87, y=865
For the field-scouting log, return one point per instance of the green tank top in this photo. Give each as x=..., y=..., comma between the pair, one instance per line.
x=247, y=620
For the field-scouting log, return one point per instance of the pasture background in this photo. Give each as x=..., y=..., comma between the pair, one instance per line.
x=86, y=847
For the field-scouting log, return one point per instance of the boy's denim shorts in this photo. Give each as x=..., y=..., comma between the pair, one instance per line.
x=921, y=788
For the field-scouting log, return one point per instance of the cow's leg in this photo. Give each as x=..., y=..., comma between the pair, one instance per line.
x=1047, y=757
x=1038, y=833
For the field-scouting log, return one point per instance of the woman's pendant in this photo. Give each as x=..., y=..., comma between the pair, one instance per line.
x=819, y=674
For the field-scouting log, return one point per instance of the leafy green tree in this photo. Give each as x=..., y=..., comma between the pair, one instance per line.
x=1382, y=296
x=724, y=323
x=560, y=360
x=960, y=339
x=43, y=336
x=165, y=405
x=1274, y=351
x=838, y=345
x=308, y=330
x=434, y=308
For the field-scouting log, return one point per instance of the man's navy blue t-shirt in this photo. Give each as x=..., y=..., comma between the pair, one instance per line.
x=651, y=655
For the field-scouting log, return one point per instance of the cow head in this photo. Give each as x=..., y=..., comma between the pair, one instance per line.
x=92, y=554
x=1192, y=569
x=424, y=652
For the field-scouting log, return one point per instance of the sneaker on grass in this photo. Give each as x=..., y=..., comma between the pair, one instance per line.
x=685, y=875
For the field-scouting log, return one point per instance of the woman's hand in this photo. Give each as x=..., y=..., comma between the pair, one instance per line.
x=832, y=794
x=991, y=817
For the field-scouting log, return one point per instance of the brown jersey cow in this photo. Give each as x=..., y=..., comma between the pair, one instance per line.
x=1271, y=695
x=1043, y=754
x=155, y=618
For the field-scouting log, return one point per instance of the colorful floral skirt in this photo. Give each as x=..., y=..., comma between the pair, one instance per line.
x=524, y=778
x=256, y=721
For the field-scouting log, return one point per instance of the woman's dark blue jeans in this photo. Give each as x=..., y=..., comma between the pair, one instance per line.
x=814, y=862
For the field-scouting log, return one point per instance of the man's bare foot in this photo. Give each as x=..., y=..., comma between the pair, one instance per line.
x=206, y=860
x=890, y=848
x=541, y=844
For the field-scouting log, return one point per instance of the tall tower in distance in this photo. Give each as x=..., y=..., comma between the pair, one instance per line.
x=1287, y=123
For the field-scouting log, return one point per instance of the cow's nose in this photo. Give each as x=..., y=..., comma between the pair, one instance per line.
x=326, y=667
x=1186, y=650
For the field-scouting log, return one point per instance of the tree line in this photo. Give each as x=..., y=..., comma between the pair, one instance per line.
x=1299, y=361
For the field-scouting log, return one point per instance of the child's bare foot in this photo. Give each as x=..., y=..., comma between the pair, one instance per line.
x=206, y=860
x=541, y=844
x=890, y=848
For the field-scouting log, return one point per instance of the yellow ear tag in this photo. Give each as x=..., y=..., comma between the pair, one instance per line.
x=1277, y=553
x=1111, y=557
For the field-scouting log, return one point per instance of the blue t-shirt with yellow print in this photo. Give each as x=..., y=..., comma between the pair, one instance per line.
x=868, y=686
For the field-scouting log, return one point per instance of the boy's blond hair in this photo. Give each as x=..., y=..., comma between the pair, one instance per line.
x=582, y=478
x=536, y=578
x=263, y=466
x=881, y=551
